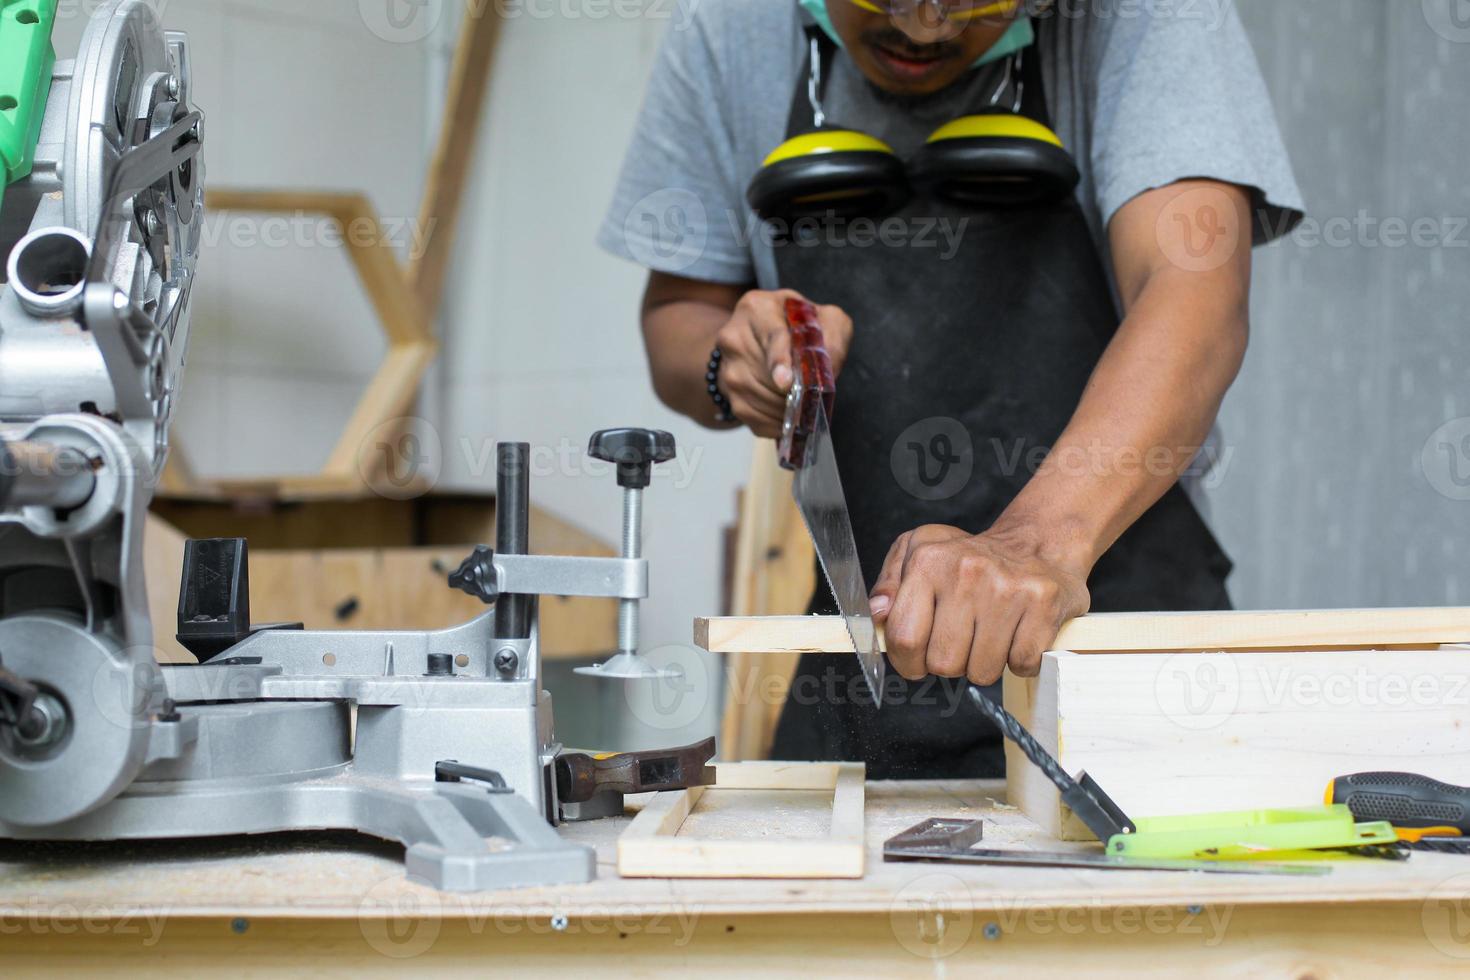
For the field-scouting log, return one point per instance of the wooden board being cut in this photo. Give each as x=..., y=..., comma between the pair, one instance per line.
x=1304, y=629
x=758, y=825
x=1168, y=734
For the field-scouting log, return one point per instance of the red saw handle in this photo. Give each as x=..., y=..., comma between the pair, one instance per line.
x=812, y=382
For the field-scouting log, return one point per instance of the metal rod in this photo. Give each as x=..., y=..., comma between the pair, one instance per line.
x=40, y=474
x=632, y=548
x=512, y=534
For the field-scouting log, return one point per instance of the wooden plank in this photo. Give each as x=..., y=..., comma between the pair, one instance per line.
x=163, y=567
x=274, y=877
x=1169, y=734
x=402, y=316
x=652, y=848
x=1119, y=632
x=449, y=173
x=1001, y=942
x=775, y=572
x=388, y=396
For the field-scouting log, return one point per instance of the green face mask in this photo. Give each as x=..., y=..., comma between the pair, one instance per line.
x=1019, y=35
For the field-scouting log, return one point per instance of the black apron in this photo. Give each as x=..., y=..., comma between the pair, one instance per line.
x=962, y=372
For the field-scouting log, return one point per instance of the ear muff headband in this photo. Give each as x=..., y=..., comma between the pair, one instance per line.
x=837, y=170
x=995, y=160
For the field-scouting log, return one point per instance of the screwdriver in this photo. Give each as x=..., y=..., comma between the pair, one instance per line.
x=1419, y=808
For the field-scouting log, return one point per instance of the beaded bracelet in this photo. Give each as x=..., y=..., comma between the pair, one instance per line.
x=712, y=385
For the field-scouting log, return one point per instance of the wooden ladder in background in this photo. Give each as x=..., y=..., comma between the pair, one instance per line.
x=774, y=575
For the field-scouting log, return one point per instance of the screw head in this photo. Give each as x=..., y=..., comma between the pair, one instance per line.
x=507, y=660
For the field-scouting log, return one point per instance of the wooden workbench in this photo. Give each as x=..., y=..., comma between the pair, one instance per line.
x=341, y=903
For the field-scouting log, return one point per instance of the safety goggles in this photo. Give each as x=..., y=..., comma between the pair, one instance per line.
x=948, y=9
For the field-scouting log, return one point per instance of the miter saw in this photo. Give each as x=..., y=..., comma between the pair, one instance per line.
x=441, y=740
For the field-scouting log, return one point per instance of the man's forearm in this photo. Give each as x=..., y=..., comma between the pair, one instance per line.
x=1147, y=410
x=679, y=337
x=680, y=320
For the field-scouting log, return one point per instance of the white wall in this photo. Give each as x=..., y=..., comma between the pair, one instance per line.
x=541, y=328
x=296, y=95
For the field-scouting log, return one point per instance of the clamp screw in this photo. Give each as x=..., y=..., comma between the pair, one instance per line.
x=476, y=575
x=507, y=660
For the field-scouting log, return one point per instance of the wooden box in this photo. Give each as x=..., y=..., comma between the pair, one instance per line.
x=1179, y=733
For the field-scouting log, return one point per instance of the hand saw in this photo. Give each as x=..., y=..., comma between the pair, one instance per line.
x=806, y=449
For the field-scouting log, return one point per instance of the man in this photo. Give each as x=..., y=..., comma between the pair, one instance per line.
x=1021, y=383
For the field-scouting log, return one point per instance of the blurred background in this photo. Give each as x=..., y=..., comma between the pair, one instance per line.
x=1346, y=474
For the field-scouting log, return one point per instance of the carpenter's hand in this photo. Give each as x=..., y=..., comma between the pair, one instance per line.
x=756, y=371
x=961, y=605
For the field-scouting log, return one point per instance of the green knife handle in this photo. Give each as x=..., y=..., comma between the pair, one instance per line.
x=1403, y=799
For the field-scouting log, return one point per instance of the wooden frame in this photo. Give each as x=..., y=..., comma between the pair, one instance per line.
x=650, y=847
x=407, y=300
x=1335, y=629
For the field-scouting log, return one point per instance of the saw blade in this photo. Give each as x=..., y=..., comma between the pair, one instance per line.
x=817, y=487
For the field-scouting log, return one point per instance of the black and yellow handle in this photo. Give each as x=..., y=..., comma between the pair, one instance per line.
x=1417, y=806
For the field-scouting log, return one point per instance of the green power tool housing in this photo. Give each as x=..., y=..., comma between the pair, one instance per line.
x=26, y=60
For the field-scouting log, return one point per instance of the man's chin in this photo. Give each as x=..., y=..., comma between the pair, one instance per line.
x=901, y=76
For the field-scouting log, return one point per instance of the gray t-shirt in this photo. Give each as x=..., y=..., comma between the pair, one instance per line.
x=1142, y=94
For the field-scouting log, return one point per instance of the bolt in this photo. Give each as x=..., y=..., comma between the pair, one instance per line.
x=507, y=660
x=173, y=87
x=559, y=923
x=992, y=931
x=239, y=926
x=1194, y=909
x=151, y=223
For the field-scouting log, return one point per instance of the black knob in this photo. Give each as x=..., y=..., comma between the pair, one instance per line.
x=635, y=451
x=476, y=575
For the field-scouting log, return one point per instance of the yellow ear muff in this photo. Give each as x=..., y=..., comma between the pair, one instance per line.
x=995, y=159
x=826, y=171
